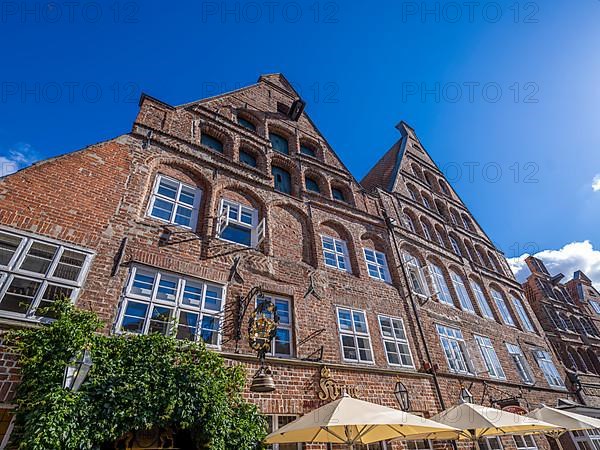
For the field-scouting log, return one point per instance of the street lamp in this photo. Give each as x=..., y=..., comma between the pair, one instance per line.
x=77, y=370
x=262, y=329
x=401, y=394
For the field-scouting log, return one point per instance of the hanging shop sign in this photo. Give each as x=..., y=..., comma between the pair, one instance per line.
x=515, y=409
x=329, y=389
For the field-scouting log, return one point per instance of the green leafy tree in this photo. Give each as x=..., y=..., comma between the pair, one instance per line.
x=136, y=382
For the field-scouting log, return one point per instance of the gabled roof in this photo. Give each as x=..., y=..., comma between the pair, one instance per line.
x=579, y=275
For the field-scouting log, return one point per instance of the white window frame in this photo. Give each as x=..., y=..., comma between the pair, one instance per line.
x=525, y=438
x=548, y=368
x=507, y=317
x=354, y=334
x=484, y=443
x=337, y=255
x=286, y=326
x=408, y=223
x=396, y=340
x=176, y=305
x=590, y=437
x=439, y=281
x=521, y=363
x=257, y=228
x=463, y=296
x=176, y=203
x=484, y=305
x=426, y=231
x=273, y=418
x=13, y=270
x=383, y=272
x=490, y=357
x=455, y=246
x=455, y=349
x=417, y=276
x=595, y=306
x=523, y=316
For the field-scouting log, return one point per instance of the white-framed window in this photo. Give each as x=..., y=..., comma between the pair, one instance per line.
x=174, y=202
x=523, y=316
x=503, y=308
x=408, y=223
x=155, y=301
x=282, y=344
x=586, y=439
x=595, y=306
x=426, y=231
x=274, y=423
x=395, y=341
x=520, y=363
x=548, y=368
x=461, y=291
x=35, y=271
x=443, y=292
x=420, y=444
x=490, y=443
x=484, y=306
x=416, y=275
x=455, y=246
x=377, y=264
x=354, y=335
x=239, y=224
x=335, y=253
x=455, y=349
x=525, y=442
x=490, y=358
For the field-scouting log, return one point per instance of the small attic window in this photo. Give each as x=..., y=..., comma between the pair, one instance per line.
x=307, y=150
x=279, y=143
x=247, y=158
x=312, y=185
x=211, y=142
x=338, y=194
x=246, y=123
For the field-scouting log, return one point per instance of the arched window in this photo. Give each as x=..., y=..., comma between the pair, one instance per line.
x=308, y=150
x=441, y=287
x=523, y=316
x=503, y=308
x=412, y=193
x=279, y=143
x=426, y=201
x=484, y=306
x=461, y=291
x=211, y=142
x=439, y=232
x=467, y=223
x=408, y=223
x=444, y=187
x=426, y=230
x=338, y=194
x=246, y=123
x=283, y=180
x=417, y=171
x=174, y=202
x=247, y=158
x=455, y=246
x=454, y=217
x=311, y=184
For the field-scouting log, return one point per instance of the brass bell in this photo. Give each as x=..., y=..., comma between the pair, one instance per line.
x=262, y=380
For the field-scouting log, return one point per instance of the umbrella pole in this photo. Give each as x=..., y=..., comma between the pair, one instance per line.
x=558, y=443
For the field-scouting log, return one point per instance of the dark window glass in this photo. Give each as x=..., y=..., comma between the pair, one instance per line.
x=247, y=158
x=279, y=143
x=312, y=185
x=306, y=150
x=246, y=123
x=283, y=181
x=211, y=142
x=338, y=194
x=236, y=233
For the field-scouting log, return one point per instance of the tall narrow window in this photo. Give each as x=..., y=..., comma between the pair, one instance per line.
x=157, y=301
x=504, y=312
x=239, y=224
x=211, y=142
x=279, y=143
x=455, y=246
x=426, y=202
x=443, y=292
x=174, y=202
x=484, y=306
x=426, y=231
x=416, y=275
x=461, y=291
x=455, y=349
x=282, y=179
x=520, y=363
x=282, y=342
x=595, y=305
x=376, y=264
x=395, y=342
x=354, y=335
x=548, y=368
x=490, y=357
x=520, y=309
x=335, y=253
x=408, y=223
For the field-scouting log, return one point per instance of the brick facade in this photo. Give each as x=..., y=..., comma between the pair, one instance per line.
x=98, y=200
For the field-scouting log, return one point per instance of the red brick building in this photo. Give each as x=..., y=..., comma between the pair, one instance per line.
x=384, y=281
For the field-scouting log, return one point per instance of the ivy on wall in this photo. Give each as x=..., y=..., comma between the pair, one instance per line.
x=136, y=382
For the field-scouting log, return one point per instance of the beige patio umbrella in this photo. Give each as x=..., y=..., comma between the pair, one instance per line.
x=478, y=421
x=351, y=421
x=569, y=421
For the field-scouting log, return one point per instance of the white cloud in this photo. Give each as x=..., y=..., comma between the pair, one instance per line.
x=596, y=183
x=574, y=256
x=18, y=156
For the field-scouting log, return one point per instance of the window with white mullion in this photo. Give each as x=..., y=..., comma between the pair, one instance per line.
x=395, y=342
x=520, y=309
x=461, y=291
x=335, y=253
x=11, y=246
x=443, y=292
x=484, y=306
x=490, y=443
x=282, y=344
x=239, y=224
x=354, y=335
x=490, y=357
x=503, y=308
x=455, y=349
x=525, y=442
x=520, y=362
x=376, y=264
x=548, y=368
x=595, y=306
x=416, y=275
x=174, y=202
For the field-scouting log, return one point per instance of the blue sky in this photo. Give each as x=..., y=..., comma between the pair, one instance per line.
x=503, y=95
